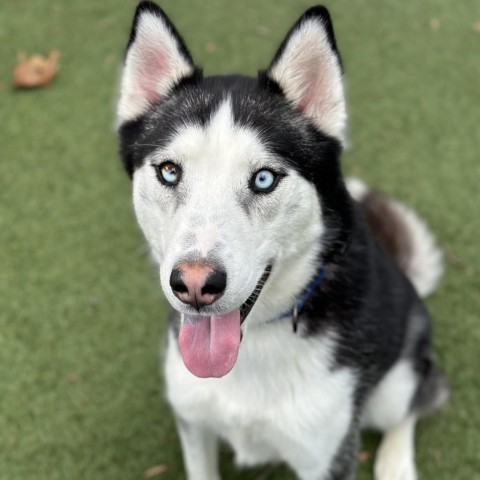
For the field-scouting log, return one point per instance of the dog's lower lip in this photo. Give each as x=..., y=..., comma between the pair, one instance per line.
x=250, y=302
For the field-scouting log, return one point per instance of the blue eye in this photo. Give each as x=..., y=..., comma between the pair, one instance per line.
x=264, y=181
x=168, y=173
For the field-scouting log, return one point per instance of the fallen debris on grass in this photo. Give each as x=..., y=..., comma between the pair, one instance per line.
x=154, y=471
x=36, y=71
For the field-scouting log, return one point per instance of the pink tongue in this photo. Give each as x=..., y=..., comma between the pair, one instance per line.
x=209, y=345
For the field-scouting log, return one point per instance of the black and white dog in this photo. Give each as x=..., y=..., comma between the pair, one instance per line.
x=298, y=319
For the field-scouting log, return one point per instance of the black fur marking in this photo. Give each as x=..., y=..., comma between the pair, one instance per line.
x=141, y=137
x=345, y=461
x=268, y=84
x=128, y=134
x=432, y=391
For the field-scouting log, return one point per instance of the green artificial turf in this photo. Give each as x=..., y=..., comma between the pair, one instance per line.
x=81, y=313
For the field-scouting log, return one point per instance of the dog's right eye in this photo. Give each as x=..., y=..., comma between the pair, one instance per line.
x=264, y=181
x=168, y=173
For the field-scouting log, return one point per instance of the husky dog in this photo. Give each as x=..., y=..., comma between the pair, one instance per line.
x=297, y=316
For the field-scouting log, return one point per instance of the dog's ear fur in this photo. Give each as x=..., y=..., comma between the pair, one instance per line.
x=156, y=60
x=308, y=69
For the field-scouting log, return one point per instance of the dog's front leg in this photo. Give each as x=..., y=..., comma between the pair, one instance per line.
x=200, y=451
x=339, y=464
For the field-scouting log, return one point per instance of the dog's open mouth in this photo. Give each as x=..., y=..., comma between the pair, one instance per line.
x=250, y=302
x=209, y=343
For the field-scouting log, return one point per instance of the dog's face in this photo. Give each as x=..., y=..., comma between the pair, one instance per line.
x=236, y=182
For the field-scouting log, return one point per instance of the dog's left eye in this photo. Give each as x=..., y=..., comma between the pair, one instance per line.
x=264, y=181
x=168, y=173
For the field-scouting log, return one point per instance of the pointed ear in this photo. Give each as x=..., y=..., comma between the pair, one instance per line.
x=308, y=69
x=156, y=60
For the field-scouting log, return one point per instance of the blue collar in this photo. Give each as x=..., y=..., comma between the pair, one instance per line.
x=298, y=307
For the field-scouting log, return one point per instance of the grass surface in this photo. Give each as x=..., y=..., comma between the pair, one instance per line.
x=81, y=312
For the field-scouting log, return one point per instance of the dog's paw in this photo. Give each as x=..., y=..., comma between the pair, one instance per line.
x=395, y=467
x=395, y=458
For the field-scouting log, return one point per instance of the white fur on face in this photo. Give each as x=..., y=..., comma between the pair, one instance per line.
x=310, y=75
x=213, y=213
x=153, y=65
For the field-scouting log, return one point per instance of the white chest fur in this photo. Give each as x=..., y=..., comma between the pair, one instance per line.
x=281, y=401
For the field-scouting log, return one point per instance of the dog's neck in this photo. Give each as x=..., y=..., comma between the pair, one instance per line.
x=295, y=311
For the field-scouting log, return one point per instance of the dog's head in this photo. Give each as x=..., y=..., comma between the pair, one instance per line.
x=236, y=181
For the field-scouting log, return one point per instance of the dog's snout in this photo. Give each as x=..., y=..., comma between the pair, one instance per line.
x=197, y=284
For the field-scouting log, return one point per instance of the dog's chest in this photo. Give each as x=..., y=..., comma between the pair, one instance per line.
x=279, y=400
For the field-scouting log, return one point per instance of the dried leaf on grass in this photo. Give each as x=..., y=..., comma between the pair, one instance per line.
x=263, y=31
x=211, y=47
x=452, y=258
x=154, y=471
x=434, y=23
x=363, y=456
x=36, y=71
x=73, y=377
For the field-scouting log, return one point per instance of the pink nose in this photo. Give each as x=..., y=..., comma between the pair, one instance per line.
x=197, y=284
